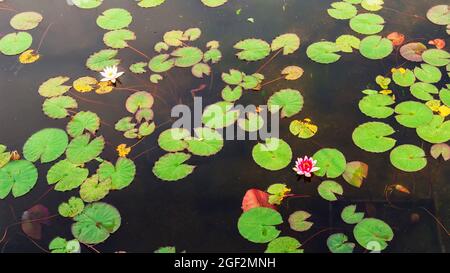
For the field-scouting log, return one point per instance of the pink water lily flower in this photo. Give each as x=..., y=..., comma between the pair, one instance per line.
x=305, y=166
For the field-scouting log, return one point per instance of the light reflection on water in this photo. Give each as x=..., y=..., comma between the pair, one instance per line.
x=200, y=212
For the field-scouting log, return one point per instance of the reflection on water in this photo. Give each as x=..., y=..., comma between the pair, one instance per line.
x=200, y=212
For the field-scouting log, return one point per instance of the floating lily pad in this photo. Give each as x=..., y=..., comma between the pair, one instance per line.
x=220, y=115
x=81, y=150
x=338, y=243
x=292, y=72
x=138, y=68
x=288, y=101
x=99, y=60
x=118, y=38
x=441, y=149
x=408, y=158
x=404, y=78
x=26, y=20
x=347, y=43
x=289, y=42
x=61, y=245
x=373, y=234
x=328, y=190
x=174, y=38
x=303, y=129
x=214, y=3
x=423, y=91
x=54, y=87
x=5, y=156
x=275, y=154
x=155, y=78
x=161, y=63
x=192, y=34
x=171, y=167
x=436, y=57
x=234, y=77
x=113, y=19
x=375, y=47
x=323, y=52
x=444, y=95
x=199, y=70
x=187, y=56
x=96, y=223
x=297, y=221
x=172, y=140
x=284, y=244
x=367, y=23
x=71, y=208
x=121, y=175
x=342, y=10
x=85, y=84
x=258, y=225
x=413, y=51
x=83, y=121
x=93, y=189
x=206, y=142
x=139, y=100
x=428, y=73
x=350, y=216
x=439, y=15
x=331, y=162
x=252, y=123
x=212, y=55
x=355, y=172
x=376, y=106
x=413, y=114
x=18, y=177
x=374, y=137
x=437, y=131
x=372, y=5
x=231, y=95
x=67, y=176
x=252, y=49
x=150, y=3
x=46, y=145
x=87, y=4
x=15, y=43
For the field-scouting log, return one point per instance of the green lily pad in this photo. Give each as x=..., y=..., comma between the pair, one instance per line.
x=161, y=63
x=66, y=175
x=83, y=121
x=437, y=131
x=96, y=223
x=171, y=167
x=235, y=77
x=87, y=4
x=213, y=3
x=328, y=190
x=187, y=56
x=250, y=82
x=174, y=38
x=372, y=5
x=423, y=91
x=338, y=243
x=350, y=216
x=289, y=42
x=18, y=177
x=57, y=107
x=61, y=245
x=150, y=3
x=252, y=49
x=444, y=96
x=375, y=47
x=81, y=150
x=139, y=100
x=220, y=115
x=192, y=34
x=46, y=145
x=428, y=73
x=54, y=87
x=125, y=124
x=26, y=20
x=297, y=221
x=331, y=162
x=206, y=142
x=347, y=43
x=118, y=38
x=374, y=137
x=113, y=19
x=258, y=224
x=275, y=154
x=231, y=95
x=138, y=68
x=252, y=123
x=155, y=78
x=289, y=101
x=172, y=140
x=166, y=250
x=373, y=234
x=5, y=156
x=436, y=57
x=284, y=244
x=342, y=10
x=413, y=114
x=146, y=129
x=408, y=158
x=93, y=189
x=439, y=15
x=121, y=175
x=367, y=23
x=15, y=43
x=212, y=55
x=200, y=70
x=99, y=60
x=404, y=79
x=323, y=52
x=71, y=208
x=302, y=129
x=355, y=172
x=376, y=106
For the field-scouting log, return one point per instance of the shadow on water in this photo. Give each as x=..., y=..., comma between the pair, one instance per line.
x=199, y=213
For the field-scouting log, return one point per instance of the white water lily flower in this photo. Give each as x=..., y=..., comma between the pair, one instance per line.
x=110, y=74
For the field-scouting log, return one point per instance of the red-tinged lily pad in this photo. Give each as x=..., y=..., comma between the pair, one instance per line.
x=441, y=149
x=413, y=51
x=33, y=219
x=355, y=172
x=255, y=198
x=396, y=38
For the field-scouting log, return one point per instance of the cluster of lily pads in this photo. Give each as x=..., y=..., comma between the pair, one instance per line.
x=90, y=4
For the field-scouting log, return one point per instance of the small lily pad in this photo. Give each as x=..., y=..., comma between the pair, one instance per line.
x=15, y=43
x=350, y=216
x=171, y=167
x=289, y=42
x=113, y=19
x=82, y=122
x=355, y=172
x=428, y=73
x=297, y=221
x=18, y=177
x=258, y=225
x=408, y=158
x=330, y=161
x=328, y=190
x=252, y=49
x=206, y=142
x=284, y=244
x=323, y=52
x=377, y=105
x=101, y=59
x=338, y=243
x=26, y=20
x=288, y=101
x=342, y=10
x=139, y=100
x=375, y=47
x=71, y=208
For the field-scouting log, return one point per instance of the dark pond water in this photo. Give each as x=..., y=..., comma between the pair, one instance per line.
x=199, y=213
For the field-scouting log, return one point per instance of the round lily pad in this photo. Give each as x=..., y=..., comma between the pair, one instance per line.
x=298, y=221
x=87, y=4
x=57, y=107
x=350, y=216
x=161, y=63
x=404, y=78
x=355, y=172
x=66, y=175
x=83, y=121
x=376, y=106
x=71, y=208
x=54, y=87
x=174, y=38
x=289, y=42
x=150, y=3
x=439, y=15
x=171, y=167
x=61, y=245
x=200, y=70
x=367, y=23
x=96, y=223
x=234, y=77
x=206, y=142
x=413, y=51
x=113, y=19
x=118, y=38
x=342, y=10
x=373, y=234
x=138, y=68
x=413, y=114
x=372, y=5
x=284, y=244
x=100, y=60
x=375, y=47
x=93, y=189
x=436, y=57
x=26, y=20
x=252, y=49
x=338, y=243
x=328, y=190
x=258, y=225
x=374, y=137
x=408, y=158
x=423, y=91
x=213, y=3
x=46, y=145
x=275, y=154
x=15, y=43
x=220, y=115
x=323, y=52
x=303, y=129
x=81, y=150
x=252, y=123
x=18, y=177
x=231, y=95
x=428, y=73
x=172, y=140
x=330, y=161
x=347, y=43
x=288, y=101
x=437, y=131
x=139, y=100
x=444, y=96
x=121, y=175
x=187, y=56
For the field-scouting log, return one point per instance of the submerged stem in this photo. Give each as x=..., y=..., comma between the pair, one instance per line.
x=43, y=37
x=269, y=61
x=138, y=52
